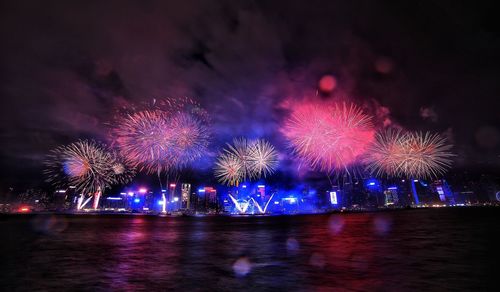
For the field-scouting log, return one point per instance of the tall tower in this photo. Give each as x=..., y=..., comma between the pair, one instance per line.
x=185, y=196
x=172, y=201
x=210, y=199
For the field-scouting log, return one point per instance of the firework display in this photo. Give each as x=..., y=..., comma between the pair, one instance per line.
x=228, y=169
x=262, y=158
x=246, y=159
x=83, y=164
x=412, y=154
x=168, y=135
x=329, y=137
x=191, y=137
x=122, y=169
x=146, y=139
x=386, y=153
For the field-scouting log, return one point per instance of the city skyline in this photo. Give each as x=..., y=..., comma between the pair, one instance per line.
x=74, y=88
x=249, y=145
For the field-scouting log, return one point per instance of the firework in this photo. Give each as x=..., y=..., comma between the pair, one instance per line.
x=167, y=135
x=190, y=139
x=181, y=105
x=122, y=169
x=229, y=169
x=147, y=140
x=330, y=138
x=245, y=159
x=413, y=154
x=239, y=149
x=386, y=153
x=262, y=158
x=427, y=155
x=84, y=164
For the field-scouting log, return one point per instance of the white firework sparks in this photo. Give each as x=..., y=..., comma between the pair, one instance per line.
x=413, y=154
x=84, y=164
x=246, y=159
x=262, y=158
x=228, y=169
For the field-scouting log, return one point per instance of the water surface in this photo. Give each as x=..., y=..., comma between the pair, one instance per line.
x=434, y=249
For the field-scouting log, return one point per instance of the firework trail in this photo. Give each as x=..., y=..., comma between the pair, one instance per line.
x=245, y=159
x=412, y=154
x=329, y=138
x=84, y=164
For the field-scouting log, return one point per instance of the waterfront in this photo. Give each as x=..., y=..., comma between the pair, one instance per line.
x=432, y=249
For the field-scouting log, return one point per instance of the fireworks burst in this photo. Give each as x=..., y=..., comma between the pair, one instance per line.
x=84, y=164
x=262, y=158
x=386, y=153
x=168, y=135
x=329, y=138
x=246, y=159
x=122, y=169
x=414, y=154
x=146, y=139
x=190, y=140
x=228, y=169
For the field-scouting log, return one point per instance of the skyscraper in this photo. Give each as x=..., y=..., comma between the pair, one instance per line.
x=185, y=196
x=210, y=199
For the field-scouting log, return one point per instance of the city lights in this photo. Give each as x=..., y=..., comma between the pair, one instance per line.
x=249, y=146
x=114, y=198
x=333, y=198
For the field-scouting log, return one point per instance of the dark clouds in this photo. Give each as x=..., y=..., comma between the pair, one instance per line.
x=66, y=64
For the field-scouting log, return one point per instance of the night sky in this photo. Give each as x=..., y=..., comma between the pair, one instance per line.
x=418, y=65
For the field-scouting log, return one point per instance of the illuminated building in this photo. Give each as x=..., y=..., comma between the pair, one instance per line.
x=211, y=199
x=290, y=205
x=171, y=192
x=201, y=199
x=375, y=196
x=391, y=196
x=423, y=192
x=261, y=193
x=174, y=203
x=443, y=191
x=185, y=196
x=194, y=201
x=207, y=199
x=333, y=198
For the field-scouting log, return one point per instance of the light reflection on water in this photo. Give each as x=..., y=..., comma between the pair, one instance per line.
x=442, y=249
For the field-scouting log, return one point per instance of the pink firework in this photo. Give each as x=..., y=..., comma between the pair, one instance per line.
x=329, y=137
x=146, y=139
x=190, y=139
x=163, y=135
